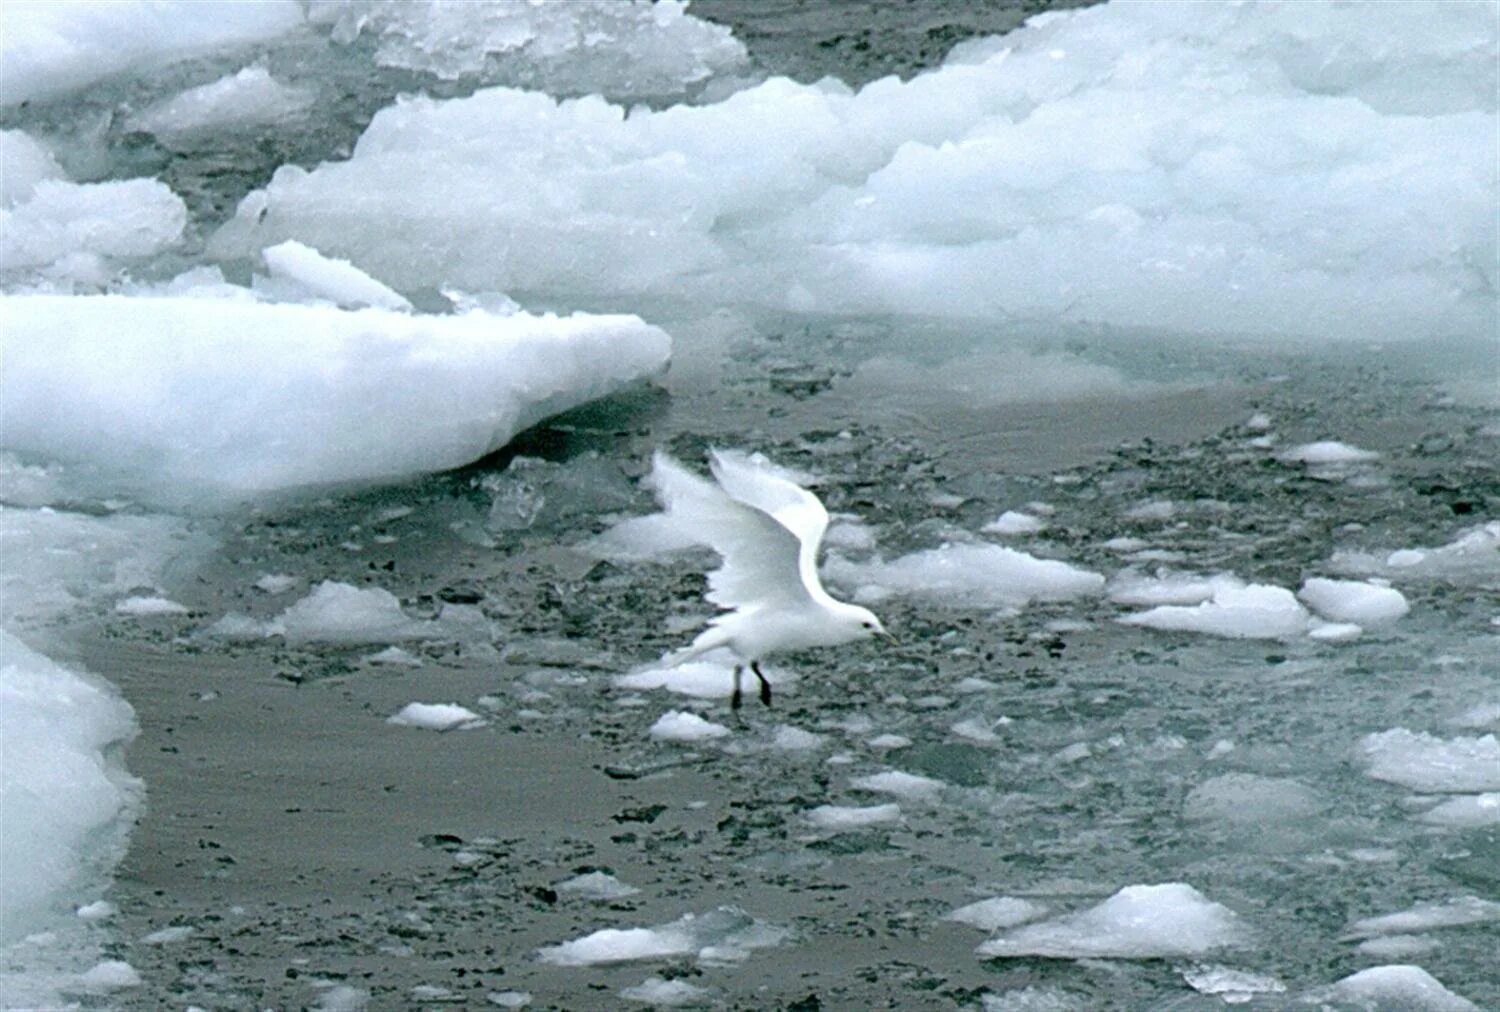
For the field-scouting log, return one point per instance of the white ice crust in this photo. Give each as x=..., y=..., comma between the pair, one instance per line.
x=190, y=398
x=1327, y=176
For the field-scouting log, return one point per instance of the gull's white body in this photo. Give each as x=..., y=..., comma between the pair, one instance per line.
x=767, y=530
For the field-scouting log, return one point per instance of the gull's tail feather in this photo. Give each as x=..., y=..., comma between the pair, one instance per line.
x=709, y=639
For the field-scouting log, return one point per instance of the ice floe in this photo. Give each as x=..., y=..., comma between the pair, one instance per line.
x=1138, y=922
x=907, y=786
x=334, y=612
x=599, y=886
x=724, y=935
x=338, y=281
x=250, y=97
x=436, y=717
x=82, y=233
x=1458, y=912
x=840, y=818
x=1353, y=601
x=1256, y=611
x=1397, y=988
x=198, y=397
x=997, y=912
x=1249, y=799
x=1473, y=556
x=24, y=162
x=1233, y=986
x=1013, y=523
x=966, y=576
x=1465, y=811
x=1423, y=762
x=681, y=726
x=660, y=993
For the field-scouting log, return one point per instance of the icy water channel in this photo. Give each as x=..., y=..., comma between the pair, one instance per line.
x=1062, y=756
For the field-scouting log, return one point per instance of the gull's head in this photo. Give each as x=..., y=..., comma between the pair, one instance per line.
x=861, y=622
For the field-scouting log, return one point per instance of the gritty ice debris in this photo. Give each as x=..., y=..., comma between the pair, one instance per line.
x=660, y=993
x=49, y=49
x=250, y=97
x=436, y=717
x=841, y=818
x=946, y=194
x=624, y=49
x=1328, y=453
x=62, y=779
x=1138, y=922
x=1428, y=916
x=338, y=281
x=599, y=886
x=907, y=786
x=723, y=935
x=79, y=232
x=1167, y=587
x=109, y=975
x=1233, y=986
x=997, y=913
x=336, y=612
x=681, y=726
x=1465, y=812
x=147, y=605
x=276, y=583
x=1012, y=523
x=969, y=576
x=1355, y=601
x=1256, y=611
x=1247, y=799
x=1472, y=557
x=24, y=162
x=1423, y=762
x=218, y=397
x=1398, y=987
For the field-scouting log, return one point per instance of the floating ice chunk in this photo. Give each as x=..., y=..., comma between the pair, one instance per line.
x=340, y=997
x=66, y=796
x=1427, y=916
x=700, y=679
x=1032, y=999
x=637, y=539
x=109, y=975
x=660, y=993
x=1480, y=715
x=1234, y=986
x=536, y=494
x=584, y=46
x=597, y=885
x=436, y=717
x=338, y=281
x=1365, y=604
x=1465, y=812
x=902, y=785
x=97, y=911
x=997, y=912
x=168, y=935
x=1011, y=523
x=1133, y=588
x=50, y=48
x=1257, y=611
x=1333, y=632
x=681, y=726
x=276, y=583
x=394, y=657
x=1396, y=946
x=794, y=739
x=1155, y=511
x=970, y=575
x=1328, y=453
x=341, y=613
x=839, y=818
x=1434, y=765
x=24, y=162
x=148, y=605
x=1473, y=556
x=192, y=398
x=74, y=231
x=1138, y=922
x=1398, y=988
x=251, y=97
x=1258, y=422
x=509, y=999
x=851, y=535
x=889, y=741
x=977, y=729
x=1244, y=798
x=987, y=379
x=727, y=934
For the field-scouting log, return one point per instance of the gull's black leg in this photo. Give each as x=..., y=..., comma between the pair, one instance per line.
x=765, y=686
x=734, y=697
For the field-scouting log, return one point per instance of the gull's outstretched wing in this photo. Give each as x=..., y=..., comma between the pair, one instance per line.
x=761, y=556
x=766, y=488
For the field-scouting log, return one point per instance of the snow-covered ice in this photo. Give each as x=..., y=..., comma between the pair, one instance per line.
x=436, y=717
x=24, y=162
x=967, y=576
x=194, y=397
x=81, y=233
x=1138, y=922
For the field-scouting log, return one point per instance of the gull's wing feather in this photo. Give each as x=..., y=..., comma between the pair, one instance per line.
x=766, y=488
x=761, y=557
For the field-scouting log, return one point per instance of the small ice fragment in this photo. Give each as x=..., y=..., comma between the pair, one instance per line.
x=726, y=934
x=899, y=784
x=394, y=657
x=1434, y=765
x=1234, y=986
x=1465, y=812
x=247, y=98
x=794, y=739
x=436, y=717
x=889, y=741
x=165, y=936
x=97, y=911
x=1250, y=800
x=109, y=975
x=976, y=729
x=1125, y=545
x=1012, y=523
x=341, y=998
x=1166, y=587
x=597, y=885
x=1478, y=715
x=1396, y=946
x=1333, y=632
x=1074, y=752
x=331, y=278
x=997, y=913
x=145, y=606
x=1138, y=922
x=341, y=613
x=1356, y=601
x=660, y=993
x=1399, y=987
x=1427, y=916
x=509, y=999
x=1258, y=422
x=1258, y=611
x=842, y=817
x=276, y=583
x=970, y=576
x=1328, y=452
x=1154, y=511
x=681, y=726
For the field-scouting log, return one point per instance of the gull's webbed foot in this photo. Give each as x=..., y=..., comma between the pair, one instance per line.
x=765, y=686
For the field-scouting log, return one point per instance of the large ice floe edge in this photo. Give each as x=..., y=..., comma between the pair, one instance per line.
x=1327, y=176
